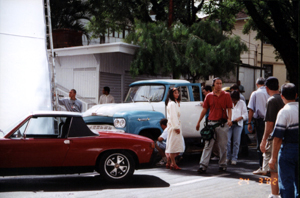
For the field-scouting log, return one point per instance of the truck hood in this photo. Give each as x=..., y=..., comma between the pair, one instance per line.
x=110, y=109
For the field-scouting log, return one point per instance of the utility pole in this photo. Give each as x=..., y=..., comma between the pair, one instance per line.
x=261, y=56
x=171, y=11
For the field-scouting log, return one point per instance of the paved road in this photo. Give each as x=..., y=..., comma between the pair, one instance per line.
x=238, y=181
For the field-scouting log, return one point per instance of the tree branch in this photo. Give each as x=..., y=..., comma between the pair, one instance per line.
x=259, y=21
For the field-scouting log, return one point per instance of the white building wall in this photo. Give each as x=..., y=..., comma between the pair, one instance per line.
x=79, y=73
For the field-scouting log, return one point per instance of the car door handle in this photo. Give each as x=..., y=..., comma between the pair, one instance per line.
x=66, y=141
x=198, y=105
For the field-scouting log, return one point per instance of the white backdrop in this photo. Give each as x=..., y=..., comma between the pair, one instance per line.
x=24, y=72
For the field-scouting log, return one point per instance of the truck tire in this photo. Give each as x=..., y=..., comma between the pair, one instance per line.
x=147, y=134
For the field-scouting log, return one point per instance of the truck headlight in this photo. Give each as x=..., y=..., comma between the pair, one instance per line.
x=119, y=122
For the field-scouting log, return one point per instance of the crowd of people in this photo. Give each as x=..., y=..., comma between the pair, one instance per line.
x=275, y=117
x=75, y=105
x=274, y=114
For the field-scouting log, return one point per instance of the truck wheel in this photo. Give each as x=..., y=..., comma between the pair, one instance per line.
x=148, y=135
x=116, y=166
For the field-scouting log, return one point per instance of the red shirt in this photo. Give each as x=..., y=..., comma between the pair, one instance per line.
x=217, y=105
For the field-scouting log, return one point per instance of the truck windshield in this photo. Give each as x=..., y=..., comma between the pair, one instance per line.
x=145, y=93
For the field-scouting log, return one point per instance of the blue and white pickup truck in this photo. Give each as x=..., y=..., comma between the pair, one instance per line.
x=144, y=107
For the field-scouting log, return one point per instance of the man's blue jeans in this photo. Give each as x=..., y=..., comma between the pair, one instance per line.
x=235, y=131
x=288, y=160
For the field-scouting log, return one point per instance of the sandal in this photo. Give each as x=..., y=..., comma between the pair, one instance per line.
x=167, y=165
x=172, y=167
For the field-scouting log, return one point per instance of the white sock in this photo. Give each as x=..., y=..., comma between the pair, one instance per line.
x=276, y=196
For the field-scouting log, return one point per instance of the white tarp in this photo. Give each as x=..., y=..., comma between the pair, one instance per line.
x=24, y=73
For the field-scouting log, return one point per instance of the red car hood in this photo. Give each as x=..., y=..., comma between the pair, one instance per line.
x=124, y=135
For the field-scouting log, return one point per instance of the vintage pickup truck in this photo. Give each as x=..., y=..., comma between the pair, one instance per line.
x=144, y=107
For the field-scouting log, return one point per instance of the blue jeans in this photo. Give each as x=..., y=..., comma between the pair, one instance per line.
x=235, y=131
x=288, y=160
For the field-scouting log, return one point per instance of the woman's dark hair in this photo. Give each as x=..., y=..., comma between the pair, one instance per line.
x=289, y=91
x=171, y=96
x=235, y=95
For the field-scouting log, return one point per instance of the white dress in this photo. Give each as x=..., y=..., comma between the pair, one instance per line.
x=175, y=142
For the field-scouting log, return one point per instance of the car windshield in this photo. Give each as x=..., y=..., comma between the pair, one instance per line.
x=145, y=93
x=6, y=130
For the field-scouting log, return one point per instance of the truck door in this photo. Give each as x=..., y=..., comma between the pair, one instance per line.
x=190, y=109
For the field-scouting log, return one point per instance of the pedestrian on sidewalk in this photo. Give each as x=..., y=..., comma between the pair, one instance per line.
x=239, y=114
x=274, y=104
x=174, y=145
x=257, y=111
x=285, y=143
x=219, y=103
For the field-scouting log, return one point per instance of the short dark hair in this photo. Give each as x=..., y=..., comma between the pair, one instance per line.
x=260, y=81
x=235, y=95
x=289, y=91
x=106, y=89
x=171, y=97
x=73, y=91
x=272, y=83
x=214, y=80
x=163, y=121
x=207, y=88
x=234, y=87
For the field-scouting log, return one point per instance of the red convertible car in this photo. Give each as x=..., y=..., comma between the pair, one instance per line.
x=61, y=143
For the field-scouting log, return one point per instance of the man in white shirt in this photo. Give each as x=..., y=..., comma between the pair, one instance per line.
x=160, y=144
x=106, y=97
x=257, y=111
x=286, y=144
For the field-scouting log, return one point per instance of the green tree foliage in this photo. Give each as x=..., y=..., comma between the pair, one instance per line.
x=275, y=21
x=114, y=15
x=69, y=14
x=195, y=52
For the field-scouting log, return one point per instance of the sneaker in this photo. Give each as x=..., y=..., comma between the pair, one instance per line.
x=233, y=162
x=222, y=169
x=274, y=196
x=214, y=158
x=201, y=170
x=259, y=172
x=160, y=163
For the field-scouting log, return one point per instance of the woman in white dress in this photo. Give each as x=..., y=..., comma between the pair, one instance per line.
x=174, y=144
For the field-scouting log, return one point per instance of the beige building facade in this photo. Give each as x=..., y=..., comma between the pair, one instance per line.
x=253, y=56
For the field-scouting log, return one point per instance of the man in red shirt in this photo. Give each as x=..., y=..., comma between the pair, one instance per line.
x=219, y=104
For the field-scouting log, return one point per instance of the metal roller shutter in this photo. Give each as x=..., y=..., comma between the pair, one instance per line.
x=113, y=81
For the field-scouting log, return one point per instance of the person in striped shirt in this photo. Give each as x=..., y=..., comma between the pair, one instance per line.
x=285, y=143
